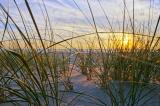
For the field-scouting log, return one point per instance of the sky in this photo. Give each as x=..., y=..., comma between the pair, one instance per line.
x=70, y=15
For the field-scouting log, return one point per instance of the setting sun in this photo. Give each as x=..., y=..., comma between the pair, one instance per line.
x=126, y=40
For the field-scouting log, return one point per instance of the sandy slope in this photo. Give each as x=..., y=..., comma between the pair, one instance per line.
x=90, y=88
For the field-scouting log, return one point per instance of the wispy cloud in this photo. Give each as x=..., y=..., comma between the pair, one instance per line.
x=65, y=12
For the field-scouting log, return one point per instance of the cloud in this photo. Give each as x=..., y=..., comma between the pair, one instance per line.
x=65, y=12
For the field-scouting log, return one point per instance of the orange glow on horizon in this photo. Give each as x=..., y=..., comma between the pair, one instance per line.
x=108, y=41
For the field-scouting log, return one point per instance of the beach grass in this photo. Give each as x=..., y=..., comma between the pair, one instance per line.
x=38, y=73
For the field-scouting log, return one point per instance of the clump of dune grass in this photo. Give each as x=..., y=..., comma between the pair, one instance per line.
x=86, y=59
x=33, y=74
x=66, y=71
x=134, y=65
